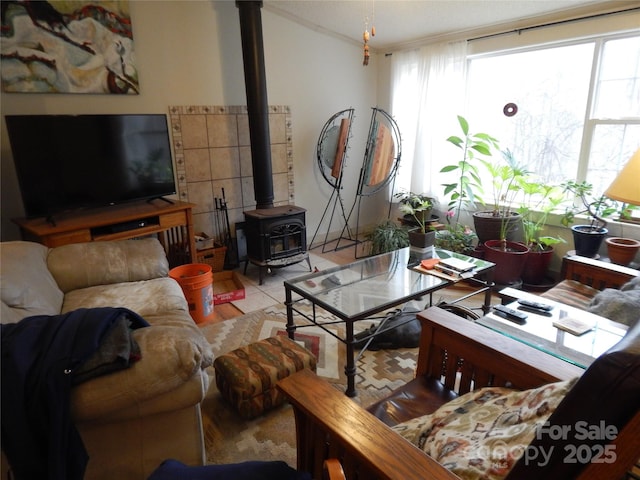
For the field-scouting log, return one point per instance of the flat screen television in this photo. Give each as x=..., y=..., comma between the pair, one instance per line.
x=69, y=162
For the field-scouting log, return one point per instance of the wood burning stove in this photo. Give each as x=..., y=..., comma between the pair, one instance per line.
x=276, y=237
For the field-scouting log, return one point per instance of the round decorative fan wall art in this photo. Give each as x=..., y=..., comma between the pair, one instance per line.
x=332, y=146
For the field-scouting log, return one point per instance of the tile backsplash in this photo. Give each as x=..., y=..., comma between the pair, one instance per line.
x=212, y=152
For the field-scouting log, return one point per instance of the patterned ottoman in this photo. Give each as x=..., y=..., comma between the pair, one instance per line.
x=247, y=376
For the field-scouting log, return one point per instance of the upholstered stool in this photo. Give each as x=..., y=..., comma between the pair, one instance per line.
x=247, y=376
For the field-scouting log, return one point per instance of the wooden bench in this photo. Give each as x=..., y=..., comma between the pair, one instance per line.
x=582, y=279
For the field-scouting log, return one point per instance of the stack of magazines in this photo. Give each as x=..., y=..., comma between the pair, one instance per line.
x=455, y=267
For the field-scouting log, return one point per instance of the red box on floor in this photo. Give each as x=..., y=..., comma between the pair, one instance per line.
x=227, y=287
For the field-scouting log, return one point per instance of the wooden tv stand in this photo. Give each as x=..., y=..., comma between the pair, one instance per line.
x=171, y=222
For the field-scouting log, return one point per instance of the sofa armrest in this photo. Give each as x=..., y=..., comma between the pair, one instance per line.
x=82, y=265
x=329, y=424
x=172, y=358
x=467, y=356
x=595, y=273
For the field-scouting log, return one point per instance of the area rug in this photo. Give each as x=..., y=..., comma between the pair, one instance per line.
x=230, y=439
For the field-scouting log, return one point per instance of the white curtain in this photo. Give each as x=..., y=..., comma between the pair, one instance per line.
x=427, y=94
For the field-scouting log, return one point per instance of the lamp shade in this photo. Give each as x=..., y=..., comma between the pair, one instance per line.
x=626, y=186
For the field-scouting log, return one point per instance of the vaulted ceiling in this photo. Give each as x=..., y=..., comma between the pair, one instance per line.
x=402, y=23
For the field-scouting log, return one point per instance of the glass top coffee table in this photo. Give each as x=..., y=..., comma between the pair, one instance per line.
x=538, y=331
x=361, y=289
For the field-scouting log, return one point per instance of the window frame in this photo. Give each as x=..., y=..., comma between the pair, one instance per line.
x=590, y=121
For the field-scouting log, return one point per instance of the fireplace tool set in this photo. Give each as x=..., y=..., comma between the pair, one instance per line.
x=222, y=235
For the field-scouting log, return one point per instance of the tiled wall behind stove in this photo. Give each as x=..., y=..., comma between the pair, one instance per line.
x=212, y=151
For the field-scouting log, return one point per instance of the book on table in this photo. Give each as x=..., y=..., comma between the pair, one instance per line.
x=457, y=264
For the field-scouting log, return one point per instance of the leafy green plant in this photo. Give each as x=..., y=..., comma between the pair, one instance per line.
x=597, y=207
x=456, y=239
x=468, y=188
x=539, y=201
x=506, y=184
x=387, y=237
x=418, y=206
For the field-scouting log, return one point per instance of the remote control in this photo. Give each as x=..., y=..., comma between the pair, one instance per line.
x=536, y=305
x=331, y=281
x=537, y=311
x=510, y=314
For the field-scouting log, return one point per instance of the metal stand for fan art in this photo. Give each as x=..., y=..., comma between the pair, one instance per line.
x=380, y=164
x=331, y=153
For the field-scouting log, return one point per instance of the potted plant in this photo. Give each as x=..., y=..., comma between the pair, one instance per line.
x=418, y=207
x=499, y=229
x=538, y=202
x=588, y=237
x=456, y=237
x=622, y=251
x=387, y=237
x=502, y=221
x=465, y=191
x=468, y=187
x=509, y=257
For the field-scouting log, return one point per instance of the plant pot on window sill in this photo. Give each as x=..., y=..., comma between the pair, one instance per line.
x=489, y=227
x=537, y=265
x=587, y=239
x=509, y=257
x=622, y=250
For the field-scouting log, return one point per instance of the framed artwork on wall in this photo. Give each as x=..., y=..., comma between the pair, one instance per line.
x=67, y=47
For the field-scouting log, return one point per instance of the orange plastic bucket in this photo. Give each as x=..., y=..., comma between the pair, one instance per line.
x=196, y=281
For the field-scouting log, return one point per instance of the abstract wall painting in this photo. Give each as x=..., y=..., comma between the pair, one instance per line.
x=72, y=46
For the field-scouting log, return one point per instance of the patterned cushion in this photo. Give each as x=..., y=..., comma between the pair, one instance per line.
x=483, y=433
x=246, y=377
x=572, y=293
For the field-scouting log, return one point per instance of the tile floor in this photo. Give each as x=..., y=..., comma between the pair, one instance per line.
x=271, y=292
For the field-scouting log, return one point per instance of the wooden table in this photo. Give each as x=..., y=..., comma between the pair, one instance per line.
x=172, y=222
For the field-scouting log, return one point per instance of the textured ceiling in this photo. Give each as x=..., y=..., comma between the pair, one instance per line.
x=401, y=23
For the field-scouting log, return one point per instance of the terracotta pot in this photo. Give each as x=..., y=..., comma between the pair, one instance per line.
x=509, y=262
x=622, y=250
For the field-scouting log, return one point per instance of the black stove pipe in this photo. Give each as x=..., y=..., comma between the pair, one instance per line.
x=257, y=104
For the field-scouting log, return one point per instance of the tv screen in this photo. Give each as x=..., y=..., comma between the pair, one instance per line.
x=66, y=162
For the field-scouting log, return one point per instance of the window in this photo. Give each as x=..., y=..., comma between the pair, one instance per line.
x=578, y=106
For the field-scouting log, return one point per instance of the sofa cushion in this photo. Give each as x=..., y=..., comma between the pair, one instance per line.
x=483, y=433
x=27, y=288
x=420, y=396
x=82, y=265
x=146, y=298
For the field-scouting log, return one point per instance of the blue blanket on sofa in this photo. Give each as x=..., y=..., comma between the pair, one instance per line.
x=40, y=355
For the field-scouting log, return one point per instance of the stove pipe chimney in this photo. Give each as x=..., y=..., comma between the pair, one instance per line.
x=257, y=104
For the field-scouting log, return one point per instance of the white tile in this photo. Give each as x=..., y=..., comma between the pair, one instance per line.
x=254, y=300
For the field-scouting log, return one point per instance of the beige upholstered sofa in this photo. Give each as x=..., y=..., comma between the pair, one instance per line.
x=133, y=419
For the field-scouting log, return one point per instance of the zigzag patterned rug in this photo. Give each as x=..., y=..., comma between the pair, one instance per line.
x=231, y=439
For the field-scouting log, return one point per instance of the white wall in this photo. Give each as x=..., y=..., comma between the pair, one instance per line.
x=189, y=52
